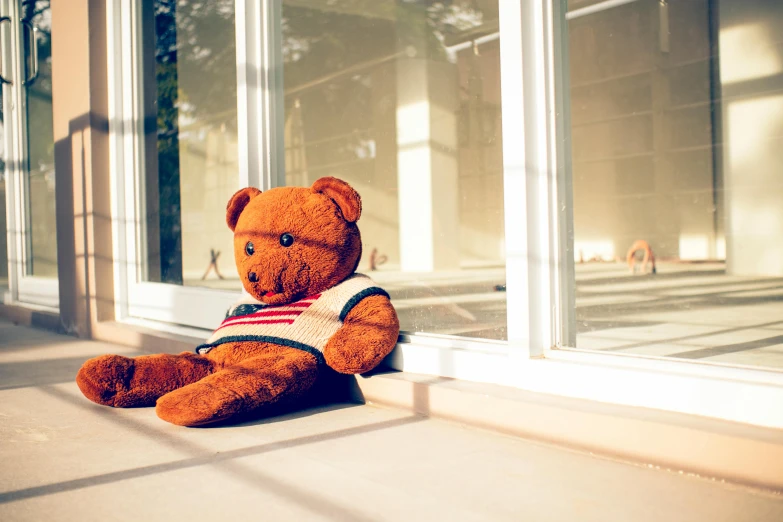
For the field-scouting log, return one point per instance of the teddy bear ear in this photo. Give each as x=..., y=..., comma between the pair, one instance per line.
x=343, y=194
x=237, y=204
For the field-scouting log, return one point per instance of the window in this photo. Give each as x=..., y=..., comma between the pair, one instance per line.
x=42, y=239
x=3, y=219
x=677, y=127
x=30, y=246
x=191, y=165
x=176, y=152
x=402, y=100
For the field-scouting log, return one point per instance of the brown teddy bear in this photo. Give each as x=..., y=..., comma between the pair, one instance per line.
x=296, y=250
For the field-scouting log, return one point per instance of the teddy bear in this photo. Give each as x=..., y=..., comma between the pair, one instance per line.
x=306, y=313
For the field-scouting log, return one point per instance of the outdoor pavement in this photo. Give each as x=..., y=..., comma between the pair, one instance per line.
x=693, y=312
x=63, y=458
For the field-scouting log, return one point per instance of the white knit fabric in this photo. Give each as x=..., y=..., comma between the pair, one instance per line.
x=307, y=324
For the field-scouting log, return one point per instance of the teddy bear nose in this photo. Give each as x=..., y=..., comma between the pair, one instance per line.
x=252, y=277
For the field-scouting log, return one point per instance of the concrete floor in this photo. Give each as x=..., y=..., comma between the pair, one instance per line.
x=64, y=458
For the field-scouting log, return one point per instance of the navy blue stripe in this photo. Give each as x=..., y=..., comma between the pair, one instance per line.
x=367, y=292
x=264, y=339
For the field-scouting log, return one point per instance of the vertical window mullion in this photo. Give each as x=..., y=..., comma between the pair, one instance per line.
x=117, y=17
x=259, y=93
x=529, y=176
x=564, y=288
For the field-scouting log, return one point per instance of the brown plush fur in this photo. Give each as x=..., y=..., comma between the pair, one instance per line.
x=235, y=379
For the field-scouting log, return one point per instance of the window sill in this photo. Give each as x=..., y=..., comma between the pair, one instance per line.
x=44, y=317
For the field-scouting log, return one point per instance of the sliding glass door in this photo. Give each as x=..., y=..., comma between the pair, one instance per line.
x=401, y=99
x=182, y=159
x=676, y=127
x=28, y=152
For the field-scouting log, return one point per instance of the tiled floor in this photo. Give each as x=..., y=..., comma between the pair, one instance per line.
x=687, y=311
x=63, y=458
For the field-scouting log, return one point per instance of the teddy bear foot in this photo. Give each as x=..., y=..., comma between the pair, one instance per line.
x=199, y=405
x=106, y=380
x=122, y=382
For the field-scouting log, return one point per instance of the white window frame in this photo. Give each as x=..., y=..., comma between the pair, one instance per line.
x=160, y=302
x=23, y=288
x=539, y=229
x=745, y=395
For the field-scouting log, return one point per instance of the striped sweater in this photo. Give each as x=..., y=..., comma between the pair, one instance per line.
x=307, y=324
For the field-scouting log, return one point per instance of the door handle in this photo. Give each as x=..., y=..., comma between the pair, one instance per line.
x=33, y=44
x=2, y=79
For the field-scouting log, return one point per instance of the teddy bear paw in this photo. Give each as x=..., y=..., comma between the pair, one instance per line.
x=106, y=379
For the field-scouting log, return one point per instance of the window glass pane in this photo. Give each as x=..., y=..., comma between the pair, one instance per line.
x=42, y=239
x=3, y=219
x=191, y=162
x=677, y=156
x=402, y=100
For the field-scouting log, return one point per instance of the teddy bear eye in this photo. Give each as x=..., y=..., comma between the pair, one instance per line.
x=249, y=248
x=286, y=240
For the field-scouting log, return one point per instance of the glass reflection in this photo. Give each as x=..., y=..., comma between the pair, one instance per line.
x=3, y=221
x=42, y=221
x=677, y=133
x=402, y=100
x=191, y=164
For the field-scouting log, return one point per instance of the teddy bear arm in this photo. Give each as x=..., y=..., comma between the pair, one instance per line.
x=125, y=382
x=241, y=388
x=368, y=334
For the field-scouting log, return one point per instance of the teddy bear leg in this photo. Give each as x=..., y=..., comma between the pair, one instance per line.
x=125, y=382
x=245, y=387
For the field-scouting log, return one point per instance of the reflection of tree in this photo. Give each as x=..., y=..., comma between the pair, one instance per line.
x=39, y=93
x=40, y=211
x=320, y=40
x=196, y=76
x=166, y=78
x=197, y=37
x=316, y=43
x=195, y=70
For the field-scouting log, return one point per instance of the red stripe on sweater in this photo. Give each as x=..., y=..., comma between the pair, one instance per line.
x=273, y=310
x=260, y=321
x=252, y=318
x=298, y=304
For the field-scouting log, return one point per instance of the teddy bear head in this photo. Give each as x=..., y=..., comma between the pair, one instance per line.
x=294, y=242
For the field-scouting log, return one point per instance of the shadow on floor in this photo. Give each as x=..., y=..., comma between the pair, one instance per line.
x=226, y=461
